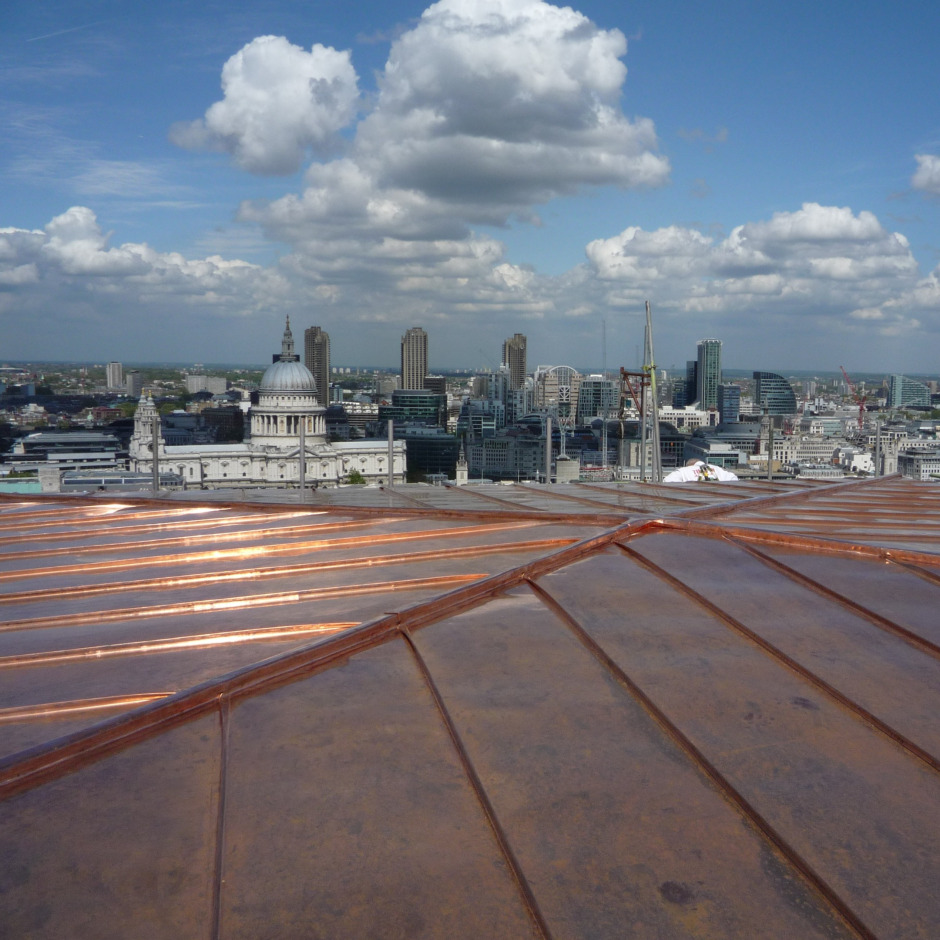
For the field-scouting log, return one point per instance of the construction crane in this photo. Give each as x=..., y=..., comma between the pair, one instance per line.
x=857, y=397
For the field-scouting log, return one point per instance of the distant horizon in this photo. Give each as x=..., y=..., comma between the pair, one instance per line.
x=451, y=370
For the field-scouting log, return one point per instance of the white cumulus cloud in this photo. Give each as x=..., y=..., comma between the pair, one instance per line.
x=486, y=109
x=506, y=101
x=279, y=103
x=814, y=225
x=76, y=245
x=927, y=176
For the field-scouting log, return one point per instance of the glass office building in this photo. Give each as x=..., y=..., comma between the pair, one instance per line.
x=774, y=393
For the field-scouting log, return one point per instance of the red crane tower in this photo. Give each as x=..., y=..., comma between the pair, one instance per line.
x=857, y=397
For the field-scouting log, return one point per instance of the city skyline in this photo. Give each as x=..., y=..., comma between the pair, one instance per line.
x=413, y=357
x=738, y=372
x=170, y=185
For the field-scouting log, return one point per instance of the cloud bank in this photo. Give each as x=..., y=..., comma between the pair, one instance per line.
x=68, y=277
x=820, y=271
x=817, y=264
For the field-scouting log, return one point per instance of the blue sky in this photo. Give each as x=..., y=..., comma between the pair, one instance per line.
x=176, y=178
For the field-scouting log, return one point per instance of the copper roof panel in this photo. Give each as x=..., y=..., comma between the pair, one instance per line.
x=123, y=847
x=588, y=789
x=660, y=711
x=883, y=673
x=385, y=838
x=905, y=594
x=831, y=786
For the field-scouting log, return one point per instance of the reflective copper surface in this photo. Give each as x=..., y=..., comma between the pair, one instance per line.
x=586, y=710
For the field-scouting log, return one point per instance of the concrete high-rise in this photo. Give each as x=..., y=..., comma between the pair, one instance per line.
x=317, y=360
x=514, y=359
x=708, y=373
x=115, y=375
x=414, y=358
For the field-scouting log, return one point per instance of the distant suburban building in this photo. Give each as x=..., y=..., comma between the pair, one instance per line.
x=217, y=385
x=115, y=371
x=317, y=360
x=134, y=383
x=414, y=358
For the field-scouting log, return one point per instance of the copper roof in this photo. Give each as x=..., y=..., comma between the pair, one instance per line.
x=707, y=710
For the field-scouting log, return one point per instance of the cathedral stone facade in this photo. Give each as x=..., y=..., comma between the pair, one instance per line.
x=289, y=410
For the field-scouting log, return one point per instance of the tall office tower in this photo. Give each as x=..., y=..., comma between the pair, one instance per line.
x=775, y=393
x=708, y=373
x=514, y=358
x=317, y=360
x=414, y=358
x=115, y=375
x=134, y=383
x=729, y=403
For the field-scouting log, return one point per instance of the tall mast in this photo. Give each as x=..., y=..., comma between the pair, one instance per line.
x=650, y=369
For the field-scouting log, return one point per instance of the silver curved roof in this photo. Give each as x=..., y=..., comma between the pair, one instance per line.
x=288, y=376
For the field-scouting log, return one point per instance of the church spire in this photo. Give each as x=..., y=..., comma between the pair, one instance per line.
x=287, y=344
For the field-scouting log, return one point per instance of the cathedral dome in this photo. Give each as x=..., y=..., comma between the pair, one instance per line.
x=288, y=376
x=288, y=373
